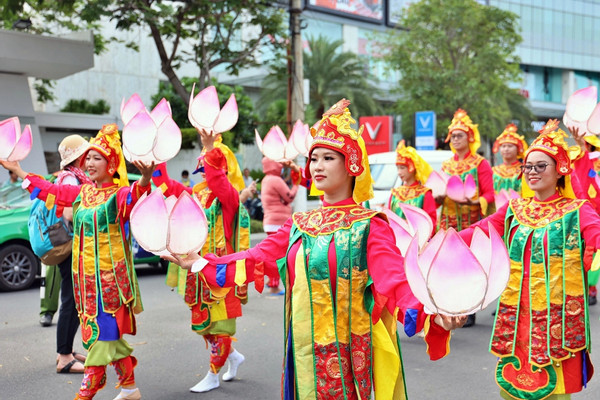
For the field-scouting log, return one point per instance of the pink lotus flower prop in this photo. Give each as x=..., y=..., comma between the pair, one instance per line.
x=437, y=182
x=416, y=223
x=205, y=112
x=451, y=278
x=16, y=145
x=149, y=136
x=460, y=191
x=186, y=226
x=504, y=196
x=278, y=148
x=582, y=112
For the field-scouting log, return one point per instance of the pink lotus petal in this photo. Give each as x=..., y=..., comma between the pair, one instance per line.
x=274, y=144
x=429, y=251
x=581, y=103
x=457, y=284
x=168, y=140
x=481, y=249
x=290, y=151
x=170, y=203
x=593, y=123
x=581, y=126
x=259, y=142
x=23, y=146
x=188, y=228
x=298, y=137
x=499, y=269
x=228, y=116
x=127, y=154
x=161, y=111
x=419, y=221
x=512, y=194
x=204, y=109
x=415, y=277
x=10, y=130
x=400, y=229
x=501, y=198
x=437, y=184
x=456, y=189
x=139, y=135
x=470, y=187
x=147, y=216
x=309, y=140
x=133, y=106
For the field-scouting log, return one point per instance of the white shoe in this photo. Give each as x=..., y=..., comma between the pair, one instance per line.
x=210, y=382
x=234, y=360
x=136, y=395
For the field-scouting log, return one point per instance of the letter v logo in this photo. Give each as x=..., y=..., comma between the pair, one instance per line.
x=373, y=132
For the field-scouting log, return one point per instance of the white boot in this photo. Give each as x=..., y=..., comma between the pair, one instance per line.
x=234, y=360
x=129, y=394
x=210, y=382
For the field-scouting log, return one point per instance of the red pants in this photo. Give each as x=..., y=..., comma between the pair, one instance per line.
x=273, y=280
x=220, y=347
x=94, y=377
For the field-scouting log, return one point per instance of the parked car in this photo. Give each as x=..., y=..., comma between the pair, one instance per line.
x=385, y=173
x=19, y=266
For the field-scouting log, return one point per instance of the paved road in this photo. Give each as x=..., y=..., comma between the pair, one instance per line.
x=173, y=358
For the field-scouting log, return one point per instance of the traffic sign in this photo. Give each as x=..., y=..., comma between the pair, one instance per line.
x=425, y=130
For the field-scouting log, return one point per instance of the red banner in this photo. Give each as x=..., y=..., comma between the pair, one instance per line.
x=377, y=133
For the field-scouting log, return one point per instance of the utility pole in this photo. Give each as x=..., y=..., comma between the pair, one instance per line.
x=296, y=81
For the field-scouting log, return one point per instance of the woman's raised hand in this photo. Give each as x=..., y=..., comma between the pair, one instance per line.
x=578, y=137
x=146, y=170
x=15, y=167
x=207, y=138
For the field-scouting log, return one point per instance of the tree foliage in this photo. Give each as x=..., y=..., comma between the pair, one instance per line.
x=83, y=106
x=229, y=34
x=242, y=132
x=458, y=54
x=332, y=73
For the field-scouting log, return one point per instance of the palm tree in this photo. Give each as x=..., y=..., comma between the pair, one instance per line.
x=333, y=74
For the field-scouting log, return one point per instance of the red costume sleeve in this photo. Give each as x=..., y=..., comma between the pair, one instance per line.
x=299, y=179
x=215, y=168
x=485, y=177
x=589, y=221
x=429, y=206
x=128, y=196
x=160, y=177
x=64, y=195
x=584, y=176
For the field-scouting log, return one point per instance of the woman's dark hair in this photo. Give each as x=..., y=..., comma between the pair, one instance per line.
x=561, y=183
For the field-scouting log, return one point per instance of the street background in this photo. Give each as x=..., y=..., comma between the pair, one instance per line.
x=172, y=358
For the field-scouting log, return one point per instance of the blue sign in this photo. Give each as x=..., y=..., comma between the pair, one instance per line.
x=425, y=130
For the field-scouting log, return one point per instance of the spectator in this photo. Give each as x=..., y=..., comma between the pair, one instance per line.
x=247, y=178
x=185, y=179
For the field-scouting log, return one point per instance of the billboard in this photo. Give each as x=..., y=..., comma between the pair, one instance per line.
x=372, y=10
x=425, y=122
x=377, y=133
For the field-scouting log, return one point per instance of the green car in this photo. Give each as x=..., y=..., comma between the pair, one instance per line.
x=19, y=266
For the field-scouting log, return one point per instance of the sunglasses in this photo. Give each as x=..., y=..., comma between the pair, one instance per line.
x=541, y=167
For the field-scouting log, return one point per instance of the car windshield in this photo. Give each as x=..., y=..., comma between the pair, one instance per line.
x=384, y=176
x=13, y=196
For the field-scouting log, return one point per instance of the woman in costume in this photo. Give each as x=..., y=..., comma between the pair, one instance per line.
x=413, y=171
x=585, y=171
x=344, y=279
x=511, y=146
x=214, y=313
x=104, y=280
x=541, y=332
x=463, y=135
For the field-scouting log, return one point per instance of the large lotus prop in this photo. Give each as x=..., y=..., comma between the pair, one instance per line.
x=437, y=182
x=582, y=112
x=504, y=196
x=451, y=278
x=205, y=112
x=149, y=136
x=415, y=221
x=276, y=147
x=16, y=145
x=186, y=226
x=442, y=184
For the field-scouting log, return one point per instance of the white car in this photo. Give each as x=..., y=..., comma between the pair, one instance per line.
x=385, y=173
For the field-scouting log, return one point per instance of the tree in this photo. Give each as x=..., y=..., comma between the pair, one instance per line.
x=84, y=106
x=332, y=74
x=242, y=132
x=208, y=33
x=458, y=54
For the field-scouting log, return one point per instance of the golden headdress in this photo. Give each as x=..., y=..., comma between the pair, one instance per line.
x=462, y=121
x=108, y=143
x=407, y=155
x=510, y=135
x=333, y=131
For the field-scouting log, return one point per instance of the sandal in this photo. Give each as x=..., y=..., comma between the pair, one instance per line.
x=67, y=368
x=78, y=356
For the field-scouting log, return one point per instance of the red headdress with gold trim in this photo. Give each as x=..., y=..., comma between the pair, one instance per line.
x=510, y=135
x=407, y=155
x=334, y=132
x=461, y=121
x=552, y=142
x=108, y=143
